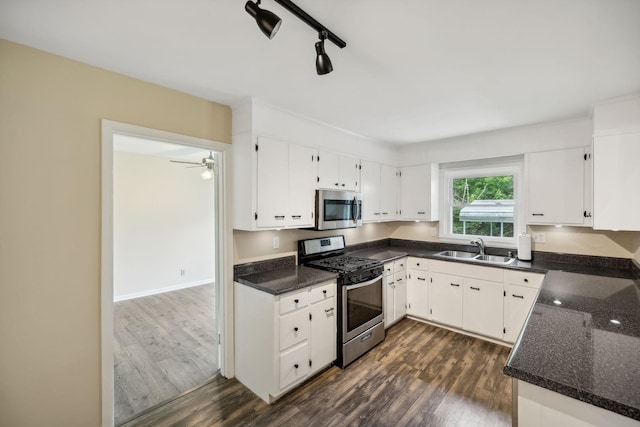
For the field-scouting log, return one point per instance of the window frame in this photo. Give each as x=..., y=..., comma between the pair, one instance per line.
x=493, y=167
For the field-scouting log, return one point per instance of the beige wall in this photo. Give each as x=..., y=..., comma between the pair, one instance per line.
x=50, y=111
x=257, y=245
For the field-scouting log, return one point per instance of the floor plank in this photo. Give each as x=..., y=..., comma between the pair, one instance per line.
x=420, y=375
x=164, y=345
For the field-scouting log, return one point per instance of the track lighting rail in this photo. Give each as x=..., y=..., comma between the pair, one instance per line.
x=310, y=21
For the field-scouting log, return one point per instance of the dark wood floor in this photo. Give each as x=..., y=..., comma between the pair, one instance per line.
x=419, y=376
x=164, y=345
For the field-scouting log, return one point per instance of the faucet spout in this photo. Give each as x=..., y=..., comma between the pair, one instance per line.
x=480, y=244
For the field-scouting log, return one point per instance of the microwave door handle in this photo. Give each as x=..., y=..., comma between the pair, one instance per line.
x=357, y=206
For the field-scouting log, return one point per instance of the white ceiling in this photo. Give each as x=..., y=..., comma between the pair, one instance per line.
x=413, y=70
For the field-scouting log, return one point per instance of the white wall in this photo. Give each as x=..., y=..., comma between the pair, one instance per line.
x=163, y=223
x=508, y=142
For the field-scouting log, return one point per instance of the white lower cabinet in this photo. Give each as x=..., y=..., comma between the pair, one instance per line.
x=418, y=294
x=482, y=307
x=520, y=292
x=282, y=340
x=394, y=296
x=445, y=299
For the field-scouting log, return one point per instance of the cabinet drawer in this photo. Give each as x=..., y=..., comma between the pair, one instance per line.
x=491, y=274
x=417, y=264
x=294, y=301
x=294, y=365
x=388, y=268
x=294, y=328
x=323, y=292
x=523, y=278
x=399, y=265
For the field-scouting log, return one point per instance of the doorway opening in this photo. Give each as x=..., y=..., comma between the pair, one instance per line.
x=163, y=267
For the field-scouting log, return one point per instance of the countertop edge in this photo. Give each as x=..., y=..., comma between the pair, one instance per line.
x=581, y=395
x=322, y=277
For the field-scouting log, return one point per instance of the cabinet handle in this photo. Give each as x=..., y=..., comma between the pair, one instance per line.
x=421, y=213
x=337, y=184
x=279, y=217
x=537, y=214
x=399, y=280
x=421, y=278
x=295, y=366
x=296, y=301
x=324, y=291
x=329, y=310
x=418, y=264
x=295, y=329
x=517, y=296
x=457, y=285
x=376, y=213
x=296, y=216
x=366, y=337
x=475, y=289
x=343, y=184
x=385, y=213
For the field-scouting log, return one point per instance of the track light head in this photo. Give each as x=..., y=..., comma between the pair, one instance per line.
x=323, y=63
x=268, y=22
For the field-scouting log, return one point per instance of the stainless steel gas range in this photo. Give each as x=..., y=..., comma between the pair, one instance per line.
x=360, y=311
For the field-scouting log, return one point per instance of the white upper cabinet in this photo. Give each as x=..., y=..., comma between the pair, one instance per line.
x=616, y=150
x=559, y=187
x=370, y=180
x=616, y=176
x=419, y=192
x=285, y=184
x=379, y=185
x=336, y=171
x=388, y=192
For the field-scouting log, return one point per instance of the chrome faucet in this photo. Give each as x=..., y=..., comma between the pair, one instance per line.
x=480, y=244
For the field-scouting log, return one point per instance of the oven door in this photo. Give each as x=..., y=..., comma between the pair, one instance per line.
x=361, y=307
x=338, y=209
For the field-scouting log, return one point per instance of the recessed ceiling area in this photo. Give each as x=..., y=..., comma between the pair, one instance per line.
x=412, y=71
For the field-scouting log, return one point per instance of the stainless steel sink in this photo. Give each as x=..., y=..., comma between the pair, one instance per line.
x=470, y=256
x=456, y=254
x=494, y=259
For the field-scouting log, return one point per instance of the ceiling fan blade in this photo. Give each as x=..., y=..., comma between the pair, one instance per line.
x=199, y=166
x=188, y=163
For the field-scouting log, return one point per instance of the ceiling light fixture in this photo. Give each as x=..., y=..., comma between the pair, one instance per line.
x=269, y=24
x=323, y=63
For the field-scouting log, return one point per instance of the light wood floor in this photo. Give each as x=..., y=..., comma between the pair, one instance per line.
x=419, y=376
x=164, y=345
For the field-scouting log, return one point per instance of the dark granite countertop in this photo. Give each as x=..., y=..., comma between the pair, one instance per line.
x=582, y=339
x=285, y=279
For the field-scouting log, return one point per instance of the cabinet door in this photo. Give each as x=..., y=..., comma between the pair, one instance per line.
x=482, y=303
x=517, y=303
x=556, y=187
x=370, y=177
x=323, y=333
x=349, y=173
x=418, y=294
x=400, y=295
x=615, y=182
x=328, y=170
x=303, y=172
x=418, y=193
x=388, y=300
x=273, y=183
x=388, y=192
x=445, y=299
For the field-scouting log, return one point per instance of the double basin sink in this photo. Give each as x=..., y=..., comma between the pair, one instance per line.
x=470, y=256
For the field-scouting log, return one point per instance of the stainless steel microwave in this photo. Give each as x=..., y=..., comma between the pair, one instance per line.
x=338, y=209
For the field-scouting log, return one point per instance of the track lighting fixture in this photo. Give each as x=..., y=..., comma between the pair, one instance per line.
x=268, y=22
x=323, y=63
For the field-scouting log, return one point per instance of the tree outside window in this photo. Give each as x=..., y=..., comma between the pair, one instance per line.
x=483, y=206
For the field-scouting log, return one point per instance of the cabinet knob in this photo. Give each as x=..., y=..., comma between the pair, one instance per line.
x=343, y=185
x=526, y=280
x=337, y=184
x=324, y=291
x=296, y=301
x=295, y=366
x=295, y=329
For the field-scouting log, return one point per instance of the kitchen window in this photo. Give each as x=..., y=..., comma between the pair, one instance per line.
x=482, y=199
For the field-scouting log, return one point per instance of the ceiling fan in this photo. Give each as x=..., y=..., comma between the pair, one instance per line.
x=207, y=162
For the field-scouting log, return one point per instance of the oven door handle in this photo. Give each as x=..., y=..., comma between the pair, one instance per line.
x=362, y=285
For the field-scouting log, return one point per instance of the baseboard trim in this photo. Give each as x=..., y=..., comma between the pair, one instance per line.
x=161, y=290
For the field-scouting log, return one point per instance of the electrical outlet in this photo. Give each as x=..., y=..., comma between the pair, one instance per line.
x=182, y=272
x=434, y=232
x=276, y=242
x=538, y=237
